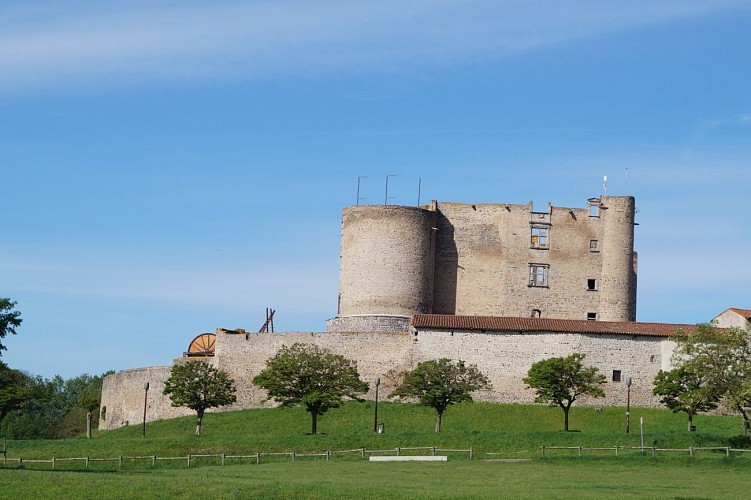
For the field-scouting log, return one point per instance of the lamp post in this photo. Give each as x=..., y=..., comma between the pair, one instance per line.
x=145, y=399
x=375, y=421
x=628, y=404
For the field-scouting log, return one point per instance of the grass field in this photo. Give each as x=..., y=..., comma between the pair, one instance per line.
x=493, y=431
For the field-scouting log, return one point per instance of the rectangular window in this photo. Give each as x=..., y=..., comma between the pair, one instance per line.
x=538, y=274
x=591, y=316
x=539, y=237
x=616, y=375
x=594, y=246
x=591, y=284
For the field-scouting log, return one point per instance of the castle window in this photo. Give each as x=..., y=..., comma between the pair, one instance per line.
x=591, y=316
x=591, y=284
x=594, y=210
x=536, y=313
x=538, y=275
x=539, y=237
x=594, y=245
x=616, y=375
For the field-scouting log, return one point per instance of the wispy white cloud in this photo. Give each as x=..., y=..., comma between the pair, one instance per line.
x=50, y=43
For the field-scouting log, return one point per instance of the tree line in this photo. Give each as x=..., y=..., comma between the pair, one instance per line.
x=32, y=407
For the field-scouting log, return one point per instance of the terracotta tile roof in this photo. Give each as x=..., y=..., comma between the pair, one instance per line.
x=509, y=324
x=746, y=313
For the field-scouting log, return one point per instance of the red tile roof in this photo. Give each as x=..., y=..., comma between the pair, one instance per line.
x=509, y=324
x=746, y=313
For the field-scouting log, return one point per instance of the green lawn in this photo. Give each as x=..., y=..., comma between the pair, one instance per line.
x=493, y=431
x=572, y=478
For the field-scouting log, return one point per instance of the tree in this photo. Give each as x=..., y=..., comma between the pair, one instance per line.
x=560, y=381
x=440, y=383
x=723, y=356
x=198, y=385
x=307, y=375
x=9, y=320
x=686, y=391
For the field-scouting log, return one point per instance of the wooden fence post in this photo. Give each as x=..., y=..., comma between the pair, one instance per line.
x=86, y=463
x=120, y=462
x=362, y=453
x=153, y=461
x=188, y=460
x=223, y=455
x=471, y=453
x=543, y=451
x=53, y=463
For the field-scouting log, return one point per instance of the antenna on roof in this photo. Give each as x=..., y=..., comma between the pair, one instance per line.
x=358, y=188
x=419, y=188
x=386, y=198
x=605, y=185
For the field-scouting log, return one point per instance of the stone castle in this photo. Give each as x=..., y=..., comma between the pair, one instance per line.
x=498, y=285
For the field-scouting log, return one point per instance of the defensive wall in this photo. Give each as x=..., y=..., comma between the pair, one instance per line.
x=504, y=356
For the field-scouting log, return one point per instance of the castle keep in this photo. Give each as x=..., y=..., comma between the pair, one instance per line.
x=486, y=260
x=497, y=285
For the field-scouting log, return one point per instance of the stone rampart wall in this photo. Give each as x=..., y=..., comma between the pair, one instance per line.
x=504, y=357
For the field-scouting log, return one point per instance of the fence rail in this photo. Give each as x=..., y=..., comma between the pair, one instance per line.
x=189, y=459
x=691, y=450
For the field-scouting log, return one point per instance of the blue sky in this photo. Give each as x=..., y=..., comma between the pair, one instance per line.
x=173, y=167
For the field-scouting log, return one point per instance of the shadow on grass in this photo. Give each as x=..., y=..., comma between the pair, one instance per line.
x=739, y=442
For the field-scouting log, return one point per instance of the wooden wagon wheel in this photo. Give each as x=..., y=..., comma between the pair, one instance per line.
x=202, y=345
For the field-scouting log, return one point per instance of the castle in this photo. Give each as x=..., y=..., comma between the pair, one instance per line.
x=498, y=285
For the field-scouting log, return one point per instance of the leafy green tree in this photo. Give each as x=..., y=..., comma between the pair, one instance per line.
x=307, y=375
x=440, y=383
x=723, y=357
x=16, y=387
x=686, y=391
x=9, y=320
x=560, y=381
x=198, y=385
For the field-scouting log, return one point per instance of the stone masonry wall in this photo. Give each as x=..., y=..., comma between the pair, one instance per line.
x=504, y=357
x=484, y=253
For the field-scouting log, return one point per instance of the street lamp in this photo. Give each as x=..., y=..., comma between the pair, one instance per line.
x=145, y=398
x=375, y=421
x=628, y=404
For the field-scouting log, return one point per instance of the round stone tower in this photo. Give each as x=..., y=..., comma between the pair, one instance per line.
x=386, y=266
x=618, y=282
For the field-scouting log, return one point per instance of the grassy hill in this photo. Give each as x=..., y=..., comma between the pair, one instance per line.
x=493, y=430
x=506, y=429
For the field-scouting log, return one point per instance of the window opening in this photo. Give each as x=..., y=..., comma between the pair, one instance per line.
x=591, y=316
x=594, y=245
x=539, y=237
x=538, y=274
x=591, y=284
x=536, y=313
x=616, y=375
